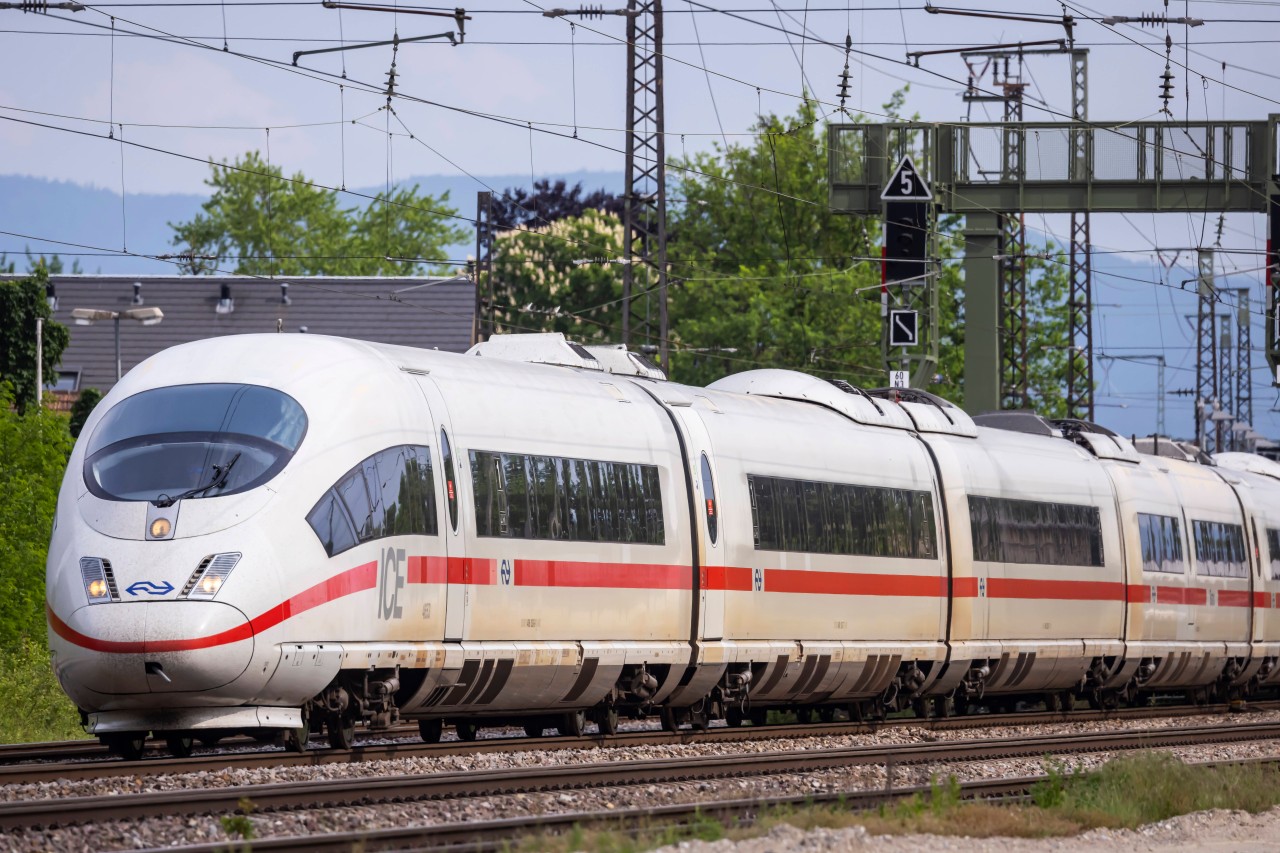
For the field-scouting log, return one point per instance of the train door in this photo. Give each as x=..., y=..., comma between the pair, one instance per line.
x=453, y=466
x=709, y=540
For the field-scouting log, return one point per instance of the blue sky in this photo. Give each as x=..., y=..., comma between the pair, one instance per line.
x=510, y=100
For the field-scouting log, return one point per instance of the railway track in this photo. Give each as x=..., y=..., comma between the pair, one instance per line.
x=35, y=814
x=500, y=835
x=88, y=759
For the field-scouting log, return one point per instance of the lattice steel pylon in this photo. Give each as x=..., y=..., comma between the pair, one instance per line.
x=644, y=276
x=1080, y=286
x=1244, y=367
x=1014, y=358
x=1206, y=351
x=483, y=322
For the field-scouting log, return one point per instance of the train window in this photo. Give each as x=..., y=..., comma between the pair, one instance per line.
x=1220, y=550
x=576, y=500
x=330, y=522
x=1035, y=532
x=450, y=492
x=389, y=494
x=1273, y=548
x=709, y=495
x=192, y=441
x=1161, y=544
x=837, y=518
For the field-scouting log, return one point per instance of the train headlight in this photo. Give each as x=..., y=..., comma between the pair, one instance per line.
x=210, y=575
x=161, y=528
x=99, y=582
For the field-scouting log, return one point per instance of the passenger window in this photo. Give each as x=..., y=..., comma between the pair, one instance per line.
x=840, y=518
x=331, y=524
x=1035, y=532
x=1220, y=550
x=1161, y=544
x=450, y=493
x=1273, y=551
x=548, y=497
x=389, y=494
x=709, y=495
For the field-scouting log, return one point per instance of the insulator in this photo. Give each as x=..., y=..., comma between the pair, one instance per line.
x=37, y=6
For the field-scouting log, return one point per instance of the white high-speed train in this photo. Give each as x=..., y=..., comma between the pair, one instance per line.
x=269, y=533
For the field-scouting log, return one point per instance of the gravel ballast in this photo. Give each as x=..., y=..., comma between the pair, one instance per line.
x=124, y=835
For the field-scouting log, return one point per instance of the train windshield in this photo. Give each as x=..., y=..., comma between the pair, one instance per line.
x=192, y=441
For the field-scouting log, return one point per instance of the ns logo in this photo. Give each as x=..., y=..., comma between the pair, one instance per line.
x=391, y=573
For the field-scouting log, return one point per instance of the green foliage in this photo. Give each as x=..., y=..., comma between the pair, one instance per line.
x=238, y=826
x=561, y=278
x=36, y=709
x=21, y=303
x=34, y=447
x=266, y=225
x=1152, y=786
x=82, y=408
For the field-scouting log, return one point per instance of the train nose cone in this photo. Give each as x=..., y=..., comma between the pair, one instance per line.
x=186, y=646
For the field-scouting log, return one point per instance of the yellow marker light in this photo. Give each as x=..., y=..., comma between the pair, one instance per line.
x=97, y=588
x=210, y=585
x=160, y=528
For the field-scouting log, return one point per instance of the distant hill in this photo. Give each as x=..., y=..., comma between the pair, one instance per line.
x=74, y=213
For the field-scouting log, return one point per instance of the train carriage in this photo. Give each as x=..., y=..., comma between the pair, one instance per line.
x=277, y=533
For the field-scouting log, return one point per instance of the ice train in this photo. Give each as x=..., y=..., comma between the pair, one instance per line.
x=274, y=533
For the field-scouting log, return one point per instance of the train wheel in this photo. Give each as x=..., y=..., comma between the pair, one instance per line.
x=1052, y=703
x=430, y=730
x=573, y=724
x=920, y=707
x=127, y=745
x=669, y=722
x=759, y=717
x=856, y=713
x=941, y=706
x=180, y=746
x=295, y=740
x=342, y=731
x=1067, y=701
x=466, y=730
x=734, y=718
x=533, y=729
x=608, y=721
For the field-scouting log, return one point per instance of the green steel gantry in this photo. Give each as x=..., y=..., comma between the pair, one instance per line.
x=982, y=169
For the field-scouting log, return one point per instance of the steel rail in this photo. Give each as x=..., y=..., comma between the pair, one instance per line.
x=103, y=765
x=499, y=835
x=98, y=763
x=477, y=783
x=494, y=836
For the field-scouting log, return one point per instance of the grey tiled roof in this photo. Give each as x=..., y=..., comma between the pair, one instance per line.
x=439, y=315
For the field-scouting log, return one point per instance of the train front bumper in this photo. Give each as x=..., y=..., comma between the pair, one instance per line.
x=110, y=656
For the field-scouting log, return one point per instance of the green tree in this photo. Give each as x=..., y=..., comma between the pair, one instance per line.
x=84, y=405
x=562, y=277
x=768, y=276
x=261, y=224
x=35, y=446
x=22, y=301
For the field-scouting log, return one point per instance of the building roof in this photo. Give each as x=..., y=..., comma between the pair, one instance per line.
x=418, y=312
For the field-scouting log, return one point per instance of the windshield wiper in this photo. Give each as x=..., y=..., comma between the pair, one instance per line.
x=220, y=474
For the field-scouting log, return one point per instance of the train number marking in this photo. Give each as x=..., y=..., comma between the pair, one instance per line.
x=390, y=582
x=757, y=579
x=506, y=572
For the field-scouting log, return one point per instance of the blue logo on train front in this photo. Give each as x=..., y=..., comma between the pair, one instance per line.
x=149, y=588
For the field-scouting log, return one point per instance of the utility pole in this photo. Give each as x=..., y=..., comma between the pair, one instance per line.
x=645, y=213
x=486, y=309
x=1206, y=350
x=39, y=362
x=1159, y=361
